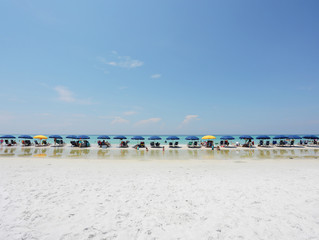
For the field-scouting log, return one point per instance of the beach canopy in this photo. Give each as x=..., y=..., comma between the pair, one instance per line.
x=172, y=138
x=82, y=137
x=25, y=136
x=263, y=137
x=294, y=137
x=246, y=137
x=154, y=138
x=281, y=137
x=310, y=137
x=119, y=137
x=137, y=138
x=40, y=137
x=55, y=136
x=71, y=136
x=227, y=138
x=193, y=138
x=7, y=136
x=207, y=137
x=103, y=137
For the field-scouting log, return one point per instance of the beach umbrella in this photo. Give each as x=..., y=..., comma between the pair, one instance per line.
x=82, y=137
x=246, y=137
x=55, y=136
x=8, y=136
x=25, y=136
x=121, y=137
x=193, y=138
x=281, y=137
x=310, y=137
x=40, y=137
x=227, y=138
x=137, y=138
x=103, y=137
x=172, y=138
x=71, y=136
x=207, y=137
x=154, y=138
x=294, y=137
x=263, y=137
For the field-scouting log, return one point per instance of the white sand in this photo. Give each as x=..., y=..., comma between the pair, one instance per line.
x=103, y=199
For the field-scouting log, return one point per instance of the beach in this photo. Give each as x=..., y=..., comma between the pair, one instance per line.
x=143, y=198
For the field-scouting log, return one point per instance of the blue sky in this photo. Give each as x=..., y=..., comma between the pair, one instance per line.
x=159, y=67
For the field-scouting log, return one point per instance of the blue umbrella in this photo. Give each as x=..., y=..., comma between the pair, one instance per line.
x=8, y=136
x=103, y=137
x=25, y=136
x=193, y=138
x=82, y=137
x=55, y=136
x=294, y=137
x=154, y=138
x=137, y=138
x=263, y=137
x=71, y=136
x=119, y=137
x=172, y=138
x=246, y=137
x=281, y=137
x=227, y=138
x=310, y=137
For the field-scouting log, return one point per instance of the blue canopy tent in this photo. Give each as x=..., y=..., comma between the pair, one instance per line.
x=263, y=137
x=280, y=137
x=25, y=137
x=84, y=143
x=7, y=141
x=103, y=143
x=103, y=137
x=139, y=139
x=173, y=138
x=153, y=144
x=310, y=137
x=227, y=138
x=294, y=137
x=192, y=138
x=59, y=142
x=193, y=143
x=71, y=136
x=261, y=142
x=55, y=136
x=122, y=143
x=247, y=139
x=314, y=139
x=7, y=136
x=226, y=143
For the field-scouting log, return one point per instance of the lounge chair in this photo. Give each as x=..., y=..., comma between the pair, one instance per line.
x=152, y=144
x=176, y=144
x=170, y=144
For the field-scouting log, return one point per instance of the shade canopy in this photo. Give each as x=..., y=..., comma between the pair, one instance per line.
x=310, y=137
x=246, y=137
x=119, y=137
x=207, y=137
x=281, y=137
x=55, y=136
x=263, y=137
x=7, y=136
x=82, y=137
x=227, y=138
x=25, y=136
x=154, y=138
x=103, y=137
x=193, y=138
x=40, y=137
x=294, y=137
x=71, y=136
x=137, y=138
x=172, y=138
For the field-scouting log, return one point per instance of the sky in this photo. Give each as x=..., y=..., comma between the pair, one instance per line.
x=159, y=67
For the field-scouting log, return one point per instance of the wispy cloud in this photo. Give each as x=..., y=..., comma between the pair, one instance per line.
x=121, y=61
x=65, y=95
x=189, y=118
x=156, y=75
x=129, y=113
x=119, y=120
x=148, y=121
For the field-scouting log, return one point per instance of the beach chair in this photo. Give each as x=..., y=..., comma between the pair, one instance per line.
x=176, y=144
x=197, y=145
x=73, y=144
x=152, y=144
x=157, y=145
x=190, y=145
x=170, y=144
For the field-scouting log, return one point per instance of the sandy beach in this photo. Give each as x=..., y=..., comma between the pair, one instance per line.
x=50, y=198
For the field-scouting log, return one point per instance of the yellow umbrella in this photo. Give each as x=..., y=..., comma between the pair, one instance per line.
x=40, y=137
x=208, y=137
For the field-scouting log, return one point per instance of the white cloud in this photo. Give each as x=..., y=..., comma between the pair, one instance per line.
x=129, y=113
x=119, y=120
x=122, y=61
x=156, y=75
x=65, y=95
x=148, y=121
x=189, y=118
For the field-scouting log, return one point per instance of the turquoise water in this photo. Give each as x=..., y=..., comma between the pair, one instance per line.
x=93, y=139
